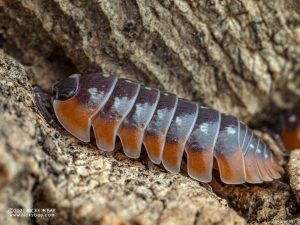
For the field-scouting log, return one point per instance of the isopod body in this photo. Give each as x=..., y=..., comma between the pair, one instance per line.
x=166, y=125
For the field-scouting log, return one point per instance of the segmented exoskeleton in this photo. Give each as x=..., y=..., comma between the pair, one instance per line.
x=168, y=127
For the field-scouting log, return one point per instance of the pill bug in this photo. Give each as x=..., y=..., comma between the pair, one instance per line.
x=166, y=125
x=290, y=129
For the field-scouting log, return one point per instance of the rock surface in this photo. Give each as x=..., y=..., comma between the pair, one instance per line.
x=238, y=56
x=294, y=173
x=207, y=51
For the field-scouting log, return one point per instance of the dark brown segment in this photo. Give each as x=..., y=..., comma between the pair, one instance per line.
x=251, y=169
x=200, y=145
x=290, y=133
x=109, y=118
x=155, y=133
x=131, y=130
x=178, y=133
x=75, y=114
x=292, y=120
x=228, y=153
x=291, y=139
x=259, y=153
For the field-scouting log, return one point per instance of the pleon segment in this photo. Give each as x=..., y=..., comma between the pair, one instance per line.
x=75, y=114
x=199, y=147
x=242, y=133
x=275, y=165
x=259, y=153
x=109, y=118
x=251, y=169
x=228, y=153
x=131, y=131
x=247, y=140
x=178, y=133
x=155, y=133
x=273, y=172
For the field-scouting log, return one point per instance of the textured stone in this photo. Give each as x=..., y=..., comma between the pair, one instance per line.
x=240, y=57
x=294, y=173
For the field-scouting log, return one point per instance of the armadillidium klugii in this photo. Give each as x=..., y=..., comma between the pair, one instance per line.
x=166, y=125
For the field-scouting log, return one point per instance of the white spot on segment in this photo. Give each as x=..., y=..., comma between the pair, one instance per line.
x=266, y=155
x=148, y=88
x=119, y=105
x=160, y=121
x=251, y=146
x=105, y=75
x=161, y=114
x=74, y=75
x=204, y=128
x=93, y=91
x=178, y=121
x=292, y=119
x=230, y=130
x=141, y=112
x=258, y=150
x=139, y=109
x=166, y=94
x=96, y=96
x=180, y=126
x=128, y=81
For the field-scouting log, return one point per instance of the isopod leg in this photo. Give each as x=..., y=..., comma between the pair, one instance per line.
x=150, y=164
x=42, y=98
x=217, y=188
